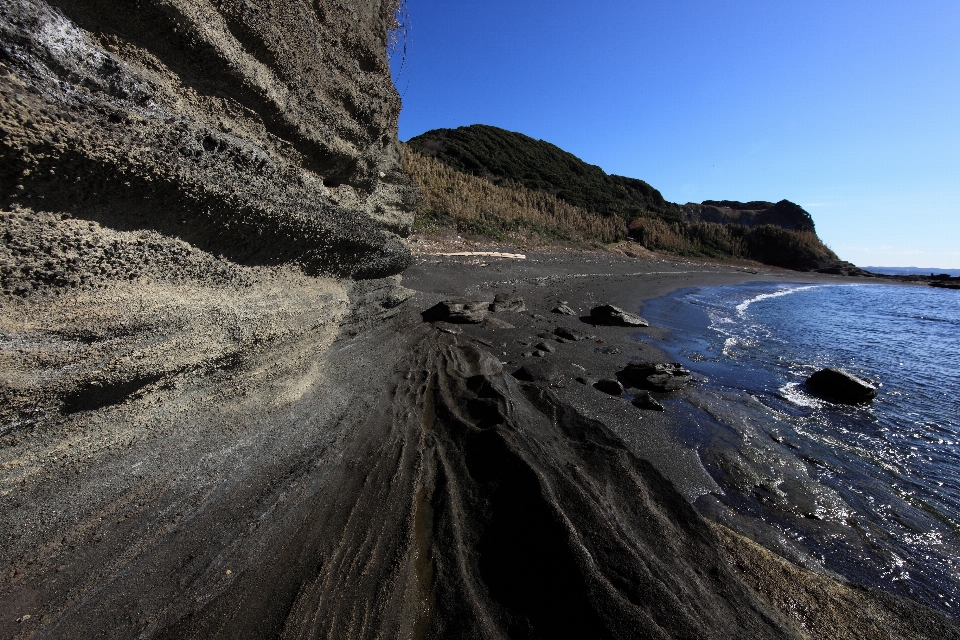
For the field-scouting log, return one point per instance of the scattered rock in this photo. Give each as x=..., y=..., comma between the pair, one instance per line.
x=565, y=310
x=613, y=387
x=659, y=376
x=458, y=311
x=610, y=315
x=573, y=334
x=540, y=354
x=496, y=323
x=526, y=354
x=643, y=400
x=839, y=386
x=507, y=302
x=545, y=346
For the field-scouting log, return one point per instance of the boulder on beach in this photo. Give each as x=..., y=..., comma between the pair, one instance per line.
x=612, y=316
x=837, y=385
x=658, y=376
x=458, y=311
x=573, y=334
x=508, y=302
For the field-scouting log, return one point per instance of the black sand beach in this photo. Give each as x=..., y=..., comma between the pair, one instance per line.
x=420, y=491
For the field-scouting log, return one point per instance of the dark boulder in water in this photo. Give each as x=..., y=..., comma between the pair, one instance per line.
x=610, y=315
x=839, y=386
x=659, y=376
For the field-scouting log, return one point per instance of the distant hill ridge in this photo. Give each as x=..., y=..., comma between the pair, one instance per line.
x=509, y=158
x=780, y=233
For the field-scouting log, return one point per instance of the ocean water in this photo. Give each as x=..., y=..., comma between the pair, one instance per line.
x=871, y=492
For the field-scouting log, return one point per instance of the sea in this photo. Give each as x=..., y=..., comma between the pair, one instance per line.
x=869, y=492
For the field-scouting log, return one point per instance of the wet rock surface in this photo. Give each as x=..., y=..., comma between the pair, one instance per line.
x=839, y=386
x=658, y=376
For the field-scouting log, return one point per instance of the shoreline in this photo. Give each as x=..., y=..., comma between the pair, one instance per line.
x=658, y=439
x=285, y=491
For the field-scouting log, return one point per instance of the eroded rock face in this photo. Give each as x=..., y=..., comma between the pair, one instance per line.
x=263, y=132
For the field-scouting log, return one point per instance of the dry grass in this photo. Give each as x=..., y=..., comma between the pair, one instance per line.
x=455, y=201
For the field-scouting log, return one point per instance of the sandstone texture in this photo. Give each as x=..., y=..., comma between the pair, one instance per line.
x=184, y=183
x=261, y=132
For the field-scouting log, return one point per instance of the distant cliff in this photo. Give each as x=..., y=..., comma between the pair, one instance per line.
x=607, y=207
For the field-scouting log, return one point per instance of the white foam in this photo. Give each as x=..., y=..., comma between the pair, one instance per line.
x=792, y=393
x=743, y=306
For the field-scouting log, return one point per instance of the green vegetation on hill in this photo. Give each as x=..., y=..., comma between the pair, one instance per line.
x=508, y=158
x=486, y=181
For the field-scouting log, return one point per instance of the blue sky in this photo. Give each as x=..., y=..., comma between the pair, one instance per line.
x=849, y=108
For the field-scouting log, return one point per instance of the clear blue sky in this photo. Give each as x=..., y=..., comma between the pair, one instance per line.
x=849, y=108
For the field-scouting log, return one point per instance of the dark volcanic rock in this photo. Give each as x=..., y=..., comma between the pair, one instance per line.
x=613, y=387
x=458, y=311
x=507, y=302
x=573, y=334
x=643, y=400
x=610, y=315
x=658, y=376
x=564, y=310
x=839, y=386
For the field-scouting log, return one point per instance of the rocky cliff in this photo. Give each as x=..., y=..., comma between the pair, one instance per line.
x=183, y=173
x=263, y=132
